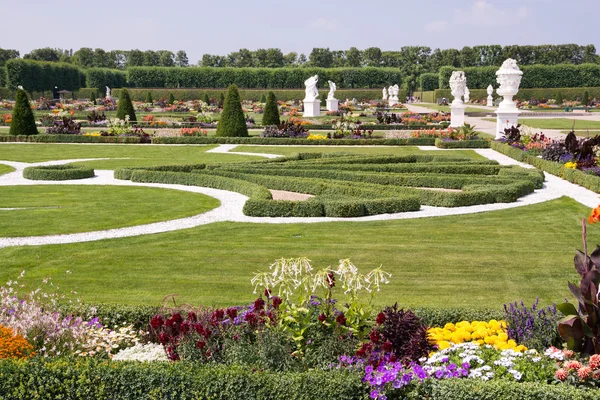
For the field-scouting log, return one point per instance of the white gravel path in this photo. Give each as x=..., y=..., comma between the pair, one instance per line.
x=232, y=203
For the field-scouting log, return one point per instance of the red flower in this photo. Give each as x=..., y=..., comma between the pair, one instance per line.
x=218, y=315
x=341, y=319
x=375, y=337
x=387, y=346
x=163, y=338
x=232, y=312
x=331, y=279
x=192, y=316
x=184, y=327
x=157, y=321
x=322, y=318
x=200, y=344
x=177, y=318
x=206, y=333
x=251, y=318
x=380, y=318
x=267, y=293
x=277, y=302
x=259, y=304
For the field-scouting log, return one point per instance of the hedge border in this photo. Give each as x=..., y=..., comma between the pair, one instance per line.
x=58, y=172
x=45, y=138
x=295, y=142
x=462, y=144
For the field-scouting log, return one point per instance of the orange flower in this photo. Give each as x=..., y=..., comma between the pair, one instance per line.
x=595, y=217
x=13, y=345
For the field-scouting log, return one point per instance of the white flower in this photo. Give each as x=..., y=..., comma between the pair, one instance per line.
x=144, y=353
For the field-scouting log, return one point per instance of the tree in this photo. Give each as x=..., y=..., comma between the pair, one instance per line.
x=263, y=98
x=586, y=98
x=353, y=57
x=468, y=57
x=44, y=54
x=271, y=115
x=320, y=58
x=101, y=59
x=135, y=58
x=171, y=99
x=181, y=59
x=274, y=58
x=166, y=58
x=151, y=58
x=84, y=57
x=125, y=106
x=290, y=59
x=372, y=57
x=206, y=99
x=93, y=97
x=23, y=121
x=6, y=54
x=302, y=59
x=232, y=121
x=149, y=98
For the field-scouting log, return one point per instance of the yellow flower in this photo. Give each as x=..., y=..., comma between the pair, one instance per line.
x=571, y=165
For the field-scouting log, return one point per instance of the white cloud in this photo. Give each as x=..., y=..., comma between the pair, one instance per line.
x=325, y=24
x=484, y=14
x=436, y=26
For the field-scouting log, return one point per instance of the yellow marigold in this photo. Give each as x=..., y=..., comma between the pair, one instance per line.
x=571, y=165
x=13, y=345
x=492, y=333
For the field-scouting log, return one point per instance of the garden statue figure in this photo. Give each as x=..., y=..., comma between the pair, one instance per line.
x=332, y=89
x=311, y=88
x=385, y=94
x=108, y=93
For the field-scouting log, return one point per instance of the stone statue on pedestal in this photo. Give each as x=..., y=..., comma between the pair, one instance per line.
x=311, y=88
x=332, y=89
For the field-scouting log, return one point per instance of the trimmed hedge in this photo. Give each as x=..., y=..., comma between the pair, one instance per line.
x=41, y=76
x=429, y=82
x=527, y=94
x=463, y=144
x=294, y=142
x=58, y=172
x=534, y=76
x=576, y=176
x=267, y=78
x=99, y=78
x=43, y=138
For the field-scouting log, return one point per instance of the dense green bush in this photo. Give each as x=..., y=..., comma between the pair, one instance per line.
x=429, y=82
x=232, y=122
x=462, y=144
x=208, y=77
x=23, y=121
x=149, y=99
x=294, y=142
x=41, y=76
x=125, y=106
x=58, y=172
x=171, y=99
x=2, y=77
x=99, y=78
x=69, y=139
x=534, y=76
x=271, y=114
x=527, y=94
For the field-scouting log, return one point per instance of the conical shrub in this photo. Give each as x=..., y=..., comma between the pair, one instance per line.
x=271, y=115
x=206, y=99
x=23, y=121
x=93, y=97
x=149, y=98
x=232, y=121
x=586, y=98
x=171, y=98
x=559, y=99
x=125, y=106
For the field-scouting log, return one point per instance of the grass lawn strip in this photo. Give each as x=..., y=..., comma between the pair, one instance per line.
x=5, y=169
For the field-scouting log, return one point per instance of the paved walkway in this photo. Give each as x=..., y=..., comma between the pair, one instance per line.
x=232, y=203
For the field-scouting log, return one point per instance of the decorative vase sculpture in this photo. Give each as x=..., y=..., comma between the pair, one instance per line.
x=490, y=99
x=332, y=102
x=509, y=77
x=458, y=84
x=312, y=105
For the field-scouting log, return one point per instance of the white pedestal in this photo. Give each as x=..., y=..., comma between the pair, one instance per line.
x=490, y=101
x=506, y=118
x=393, y=101
x=312, y=108
x=332, y=104
x=457, y=114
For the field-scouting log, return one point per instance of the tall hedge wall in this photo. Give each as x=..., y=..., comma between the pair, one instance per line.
x=2, y=76
x=429, y=82
x=99, y=78
x=534, y=76
x=41, y=76
x=282, y=78
x=526, y=94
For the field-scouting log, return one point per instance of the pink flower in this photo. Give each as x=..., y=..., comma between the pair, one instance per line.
x=595, y=361
x=568, y=353
x=584, y=372
x=561, y=374
x=573, y=365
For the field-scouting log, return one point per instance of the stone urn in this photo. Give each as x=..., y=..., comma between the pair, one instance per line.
x=509, y=77
x=458, y=84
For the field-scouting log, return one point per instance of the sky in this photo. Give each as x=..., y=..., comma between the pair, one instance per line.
x=221, y=27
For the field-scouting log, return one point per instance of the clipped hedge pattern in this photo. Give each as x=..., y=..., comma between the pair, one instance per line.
x=294, y=142
x=462, y=144
x=69, y=139
x=58, y=172
x=99, y=78
x=429, y=82
x=41, y=76
x=527, y=94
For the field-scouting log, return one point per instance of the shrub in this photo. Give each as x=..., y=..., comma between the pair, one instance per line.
x=149, y=98
x=586, y=98
x=429, y=82
x=125, y=106
x=171, y=99
x=263, y=98
x=13, y=345
x=206, y=99
x=559, y=99
x=271, y=114
x=57, y=172
x=23, y=121
x=93, y=97
x=232, y=122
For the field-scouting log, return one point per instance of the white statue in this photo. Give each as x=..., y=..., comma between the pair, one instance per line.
x=393, y=93
x=332, y=89
x=108, y=93
x=385, y=94
x=467, y=94
x=458, y=84
x=509, y=77
x=396, y=91
x=311, y=88
x=490, y=98
x=20, y=87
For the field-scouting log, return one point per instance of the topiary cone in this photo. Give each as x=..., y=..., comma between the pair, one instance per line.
x=23, y=121
x=232, y=121
x=271, y=115
x=125, y=106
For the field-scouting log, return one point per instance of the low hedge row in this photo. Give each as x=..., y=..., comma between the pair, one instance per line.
x=58, y=172
x=576, y=176
x=85, y=378
x=43, y=138
x=380, y=127
x=527, y=94
x=462, y=144
x=293, y=142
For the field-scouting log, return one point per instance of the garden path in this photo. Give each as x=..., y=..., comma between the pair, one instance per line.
x=232, y=203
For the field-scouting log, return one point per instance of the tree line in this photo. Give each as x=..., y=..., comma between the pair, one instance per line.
x=411, y=59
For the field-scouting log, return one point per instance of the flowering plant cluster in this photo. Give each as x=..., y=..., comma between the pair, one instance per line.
x=316, y=136
x=193, y=132
x=104, y=342
x=142, y=352
x=492, y=333
x=533, y=327
x=583, y=373
x=13, y=345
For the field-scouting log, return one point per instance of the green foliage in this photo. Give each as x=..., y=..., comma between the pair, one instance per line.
x=206, y=98
x=232, y=122
x=559, y=98
x=263, y=97
x=171, y=98
x=93, y=98
x=271, y=114
x=58, y=172
x=125, y=106
x=41, y=76
x=149, y=98
x=526, y=94
x=429, y=82
x=69, y=139
x=534, y=76
x=2, y=76
x=221, y=99
x=295, y=142
x=23, y=121
x=291, y=78
x=99, y=78
x=462, y=144
x=586, y=98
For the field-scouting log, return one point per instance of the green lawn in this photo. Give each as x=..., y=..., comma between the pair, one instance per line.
x=557, y=123
x=480, y=260
x=5, y=169
x=397, y=150
x=57, y=209
x=126, y=155
x=437, y=107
